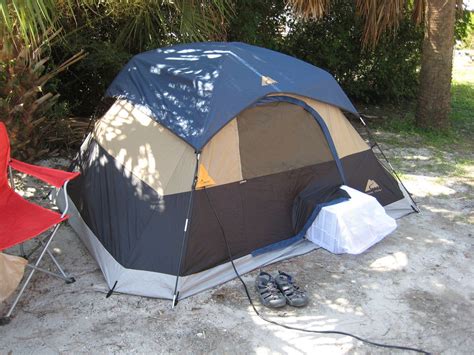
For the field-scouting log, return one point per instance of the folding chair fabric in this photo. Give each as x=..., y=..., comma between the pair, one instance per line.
x=53, y=177
x=22, y=220
x=4, y=156
x=12, y=269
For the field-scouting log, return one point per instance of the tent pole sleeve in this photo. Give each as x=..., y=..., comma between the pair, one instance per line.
x=186, y=229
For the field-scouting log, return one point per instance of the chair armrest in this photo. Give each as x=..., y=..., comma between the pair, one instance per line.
x=53, y=177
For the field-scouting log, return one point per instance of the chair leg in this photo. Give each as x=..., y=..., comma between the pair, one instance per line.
x=12, y=185
x=55, y=261
x=6, y=319
x=64, y=276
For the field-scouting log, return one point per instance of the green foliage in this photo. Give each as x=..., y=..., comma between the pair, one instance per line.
x=144, y=24
x=261, y=23
x=27, y=19
x=112, y=31
x=462, y=98
x=139, y=22
x=464, y=30
x=386, y=73
x=37, y=124
x=84, y=85
x=401, y=120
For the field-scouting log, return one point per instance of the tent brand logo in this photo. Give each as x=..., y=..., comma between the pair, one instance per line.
x=372, y=187
x=266, y=80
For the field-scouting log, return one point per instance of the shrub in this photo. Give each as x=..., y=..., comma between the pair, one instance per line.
x=261, y=23
x=464, y=30
x=83, y=86
x=37, y=125
x=386, y=73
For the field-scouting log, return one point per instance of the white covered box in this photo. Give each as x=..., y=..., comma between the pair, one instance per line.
x=351, y=226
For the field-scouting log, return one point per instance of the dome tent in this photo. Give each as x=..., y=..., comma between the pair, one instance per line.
x=209, y=135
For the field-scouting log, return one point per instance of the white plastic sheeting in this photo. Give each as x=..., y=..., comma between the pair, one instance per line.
x=352, y=226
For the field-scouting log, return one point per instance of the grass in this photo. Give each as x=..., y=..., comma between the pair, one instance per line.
x=462, y=101
x=450, y=152
x=401, y=120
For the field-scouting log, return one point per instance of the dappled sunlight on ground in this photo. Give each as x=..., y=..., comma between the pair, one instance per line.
x=396, y=261
x=426, y=186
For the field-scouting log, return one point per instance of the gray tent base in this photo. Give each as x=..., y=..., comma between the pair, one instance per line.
x=160, y=285
x=402, y=207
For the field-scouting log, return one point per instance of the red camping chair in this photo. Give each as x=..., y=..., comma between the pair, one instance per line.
x=21, y=220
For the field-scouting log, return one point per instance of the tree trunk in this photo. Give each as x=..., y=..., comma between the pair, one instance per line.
x=434, y=98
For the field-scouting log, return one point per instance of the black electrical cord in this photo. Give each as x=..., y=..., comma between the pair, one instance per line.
x=287, y=326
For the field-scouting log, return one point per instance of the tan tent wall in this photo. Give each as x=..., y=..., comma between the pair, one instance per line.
x=222, y=160
x=166, y=163
x=221, y=156
x=345, y=137
x=279, y=137
x=147, y=149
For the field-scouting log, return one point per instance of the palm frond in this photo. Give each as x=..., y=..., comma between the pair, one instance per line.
x=146, y=22
x=143, y=21
x=310, y=9
x=27, y=19
x=26, y=106
x=418, y=11
x=203, y=19
x=379, y=16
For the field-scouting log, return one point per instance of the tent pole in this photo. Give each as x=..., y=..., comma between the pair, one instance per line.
x=185, y=229
x=376, y=144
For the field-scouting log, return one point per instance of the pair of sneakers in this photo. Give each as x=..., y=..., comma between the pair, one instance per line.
x=276, y=292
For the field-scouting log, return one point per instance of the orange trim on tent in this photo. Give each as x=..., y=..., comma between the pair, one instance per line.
x=204, y=179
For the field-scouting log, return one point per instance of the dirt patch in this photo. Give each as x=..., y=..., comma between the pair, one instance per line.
x=416, y=288
x=446, y=307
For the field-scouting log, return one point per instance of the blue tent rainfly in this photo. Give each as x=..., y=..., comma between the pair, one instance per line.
x=196, y=89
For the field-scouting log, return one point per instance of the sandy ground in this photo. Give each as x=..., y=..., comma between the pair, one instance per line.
x=414, y=288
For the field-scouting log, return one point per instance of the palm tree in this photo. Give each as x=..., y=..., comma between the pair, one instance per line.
x=194, y=20
x=434, y=98
x=438, y=18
